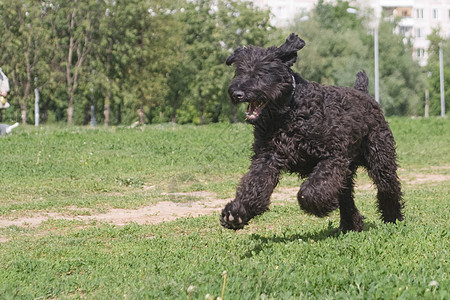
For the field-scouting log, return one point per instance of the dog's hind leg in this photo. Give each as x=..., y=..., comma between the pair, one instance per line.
x=351, y=219
x=382, y=168
x=319, y=194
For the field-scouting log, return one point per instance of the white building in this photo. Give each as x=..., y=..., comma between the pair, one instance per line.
x=418, y=17
x=284, y=11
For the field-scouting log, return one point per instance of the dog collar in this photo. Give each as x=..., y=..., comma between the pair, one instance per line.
x=293, y=84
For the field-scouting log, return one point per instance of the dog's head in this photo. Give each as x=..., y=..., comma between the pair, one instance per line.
x=263, y=77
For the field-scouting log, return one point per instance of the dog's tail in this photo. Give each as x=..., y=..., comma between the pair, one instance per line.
x=362, y=82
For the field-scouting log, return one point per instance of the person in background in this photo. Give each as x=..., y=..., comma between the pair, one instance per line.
x=4, y=89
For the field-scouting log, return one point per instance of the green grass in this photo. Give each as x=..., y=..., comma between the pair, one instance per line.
x=52, y=167
x=422, y=142
x=282, y=254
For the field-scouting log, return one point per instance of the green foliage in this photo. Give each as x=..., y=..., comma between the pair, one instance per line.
x=146, y=61
x=335, y=17
x=212, y=30
x=339, y=44
x=22, y=53
x=402, y=81
x=156, y=61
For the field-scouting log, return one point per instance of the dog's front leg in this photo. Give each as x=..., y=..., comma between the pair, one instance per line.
x=253, y=193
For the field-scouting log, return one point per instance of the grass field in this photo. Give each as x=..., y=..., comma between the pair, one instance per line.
x=283, y=254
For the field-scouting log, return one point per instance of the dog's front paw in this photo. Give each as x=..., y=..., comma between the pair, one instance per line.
x=233, y=216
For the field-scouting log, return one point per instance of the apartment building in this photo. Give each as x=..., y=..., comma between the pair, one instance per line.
x=418, y=18
x=284, y=11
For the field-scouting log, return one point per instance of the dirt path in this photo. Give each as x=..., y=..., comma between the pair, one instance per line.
x=168, y=211
x=152, y=214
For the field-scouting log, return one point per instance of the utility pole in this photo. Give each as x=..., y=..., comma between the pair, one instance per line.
x=441, y=77
x=36, y=104
x=377, y=76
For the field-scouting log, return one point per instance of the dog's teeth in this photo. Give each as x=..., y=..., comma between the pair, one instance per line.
x=230, y=218
x=240, y=220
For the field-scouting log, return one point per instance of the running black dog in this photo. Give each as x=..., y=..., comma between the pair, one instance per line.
x=320, y=132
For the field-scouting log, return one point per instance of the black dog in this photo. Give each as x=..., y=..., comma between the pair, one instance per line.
x=320, y=132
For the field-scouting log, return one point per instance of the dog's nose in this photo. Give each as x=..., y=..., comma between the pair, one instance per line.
x=238, y=95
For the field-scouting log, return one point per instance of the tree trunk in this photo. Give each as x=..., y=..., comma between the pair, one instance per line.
x=106, y=113
x=106, y=110
x=81, y=51
x=23, y=112
x=69, y=113
x=23, y=103
x=68, y=70
x=141, y=114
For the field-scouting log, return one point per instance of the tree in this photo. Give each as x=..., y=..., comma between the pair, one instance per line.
x=23, y=49
x=75, y=24
x=402, y=80
x=145, y=60
x=213, y=30
x=241, y=24
x=145, y=55
x=339, y=44
x=336, y=45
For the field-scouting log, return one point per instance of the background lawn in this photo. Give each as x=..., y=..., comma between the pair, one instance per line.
x=283, y=254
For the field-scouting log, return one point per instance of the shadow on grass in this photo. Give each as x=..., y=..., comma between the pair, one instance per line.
x=327, y=233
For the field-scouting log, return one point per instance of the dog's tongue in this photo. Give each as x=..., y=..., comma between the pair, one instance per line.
x=252, y=110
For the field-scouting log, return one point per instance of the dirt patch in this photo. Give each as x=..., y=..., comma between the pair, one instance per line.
x=427, y=178
x=165, y=211
x=152, y=214
x=162, y=211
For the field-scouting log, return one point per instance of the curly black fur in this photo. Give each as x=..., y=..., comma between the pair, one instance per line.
x=320, y=132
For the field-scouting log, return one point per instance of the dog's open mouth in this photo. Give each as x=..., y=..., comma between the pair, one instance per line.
x=254, y=109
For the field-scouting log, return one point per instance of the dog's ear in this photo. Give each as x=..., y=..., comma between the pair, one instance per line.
x=288, y=51
x=233, y=57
